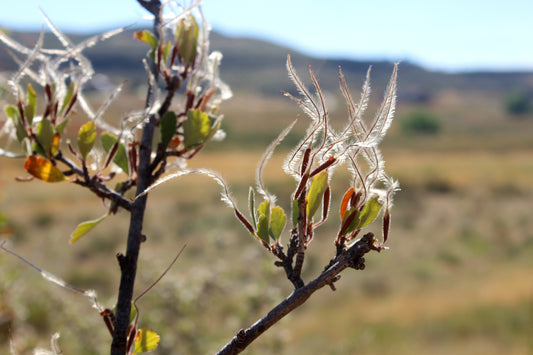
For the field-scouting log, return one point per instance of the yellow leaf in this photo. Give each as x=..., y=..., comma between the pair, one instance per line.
x=86, y=137
x=145, y=340
x=43, y=169
x=54, y=147
x=84, y=228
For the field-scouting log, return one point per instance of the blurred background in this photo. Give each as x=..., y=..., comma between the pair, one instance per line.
x=457, y=278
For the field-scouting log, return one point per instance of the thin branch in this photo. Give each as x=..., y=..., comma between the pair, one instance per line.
x=352, y=257
x=128, y=263
x=295, y=277
x=95, y=185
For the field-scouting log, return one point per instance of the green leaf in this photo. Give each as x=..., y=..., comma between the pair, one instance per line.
x=263, y=224
x=198, y=128
x=68, y=97
x=29, y=110
x=316, y=191
x=295, y=213
x=264, y=209
x=168, y=127
x=363, y=218
x=147, y=37
x=370, y=212
x=32, y=96
x=86, y=138
x=187, y=36
x=60, y=127
x=13, y=113
x=355, y=221
x=45, y=135
x=145, y=340
x=278, y=218
x=251, y=204
x=84, y=228
x=262, y=228
x=121, y=158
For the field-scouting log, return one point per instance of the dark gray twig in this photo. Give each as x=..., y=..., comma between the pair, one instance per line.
x=352, y=257
x=128, y=263
x=95, y=185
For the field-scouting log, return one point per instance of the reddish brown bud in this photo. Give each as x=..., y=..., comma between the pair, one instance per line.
x=386, y=225
x=324, y=166
x=305, y=161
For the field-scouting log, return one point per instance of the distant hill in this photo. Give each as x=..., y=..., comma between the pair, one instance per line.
x=259, y=67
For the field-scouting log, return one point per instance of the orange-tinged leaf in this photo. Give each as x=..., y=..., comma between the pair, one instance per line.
x=43, y=169
x=146, y=37
x=345, y=200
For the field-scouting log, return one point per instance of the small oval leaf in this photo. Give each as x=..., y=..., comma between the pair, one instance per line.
x=147, y=37
x=121, y=158
x=264, y=209
x=13, y=113
x=370, y=212
x=30, y=108
x=43, y=169
x=45, y=135
x=86, y=138
x=145, y=340
x=168, y=127
x=84, y=228
x=262, y=228
x=198, y=128
x=166, y=51
x=69, y=96
x=350, y=221
x=316, y=191
x=278, y=218
x=295, y=213
x=263, y=223
x=187, y=36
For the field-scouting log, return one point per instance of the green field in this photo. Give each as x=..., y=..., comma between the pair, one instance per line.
x=456, y=280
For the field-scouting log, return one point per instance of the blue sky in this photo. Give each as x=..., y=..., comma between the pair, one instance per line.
x=453, y=35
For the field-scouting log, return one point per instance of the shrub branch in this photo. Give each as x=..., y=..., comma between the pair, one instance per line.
x=128, y=263
x=352, y=257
